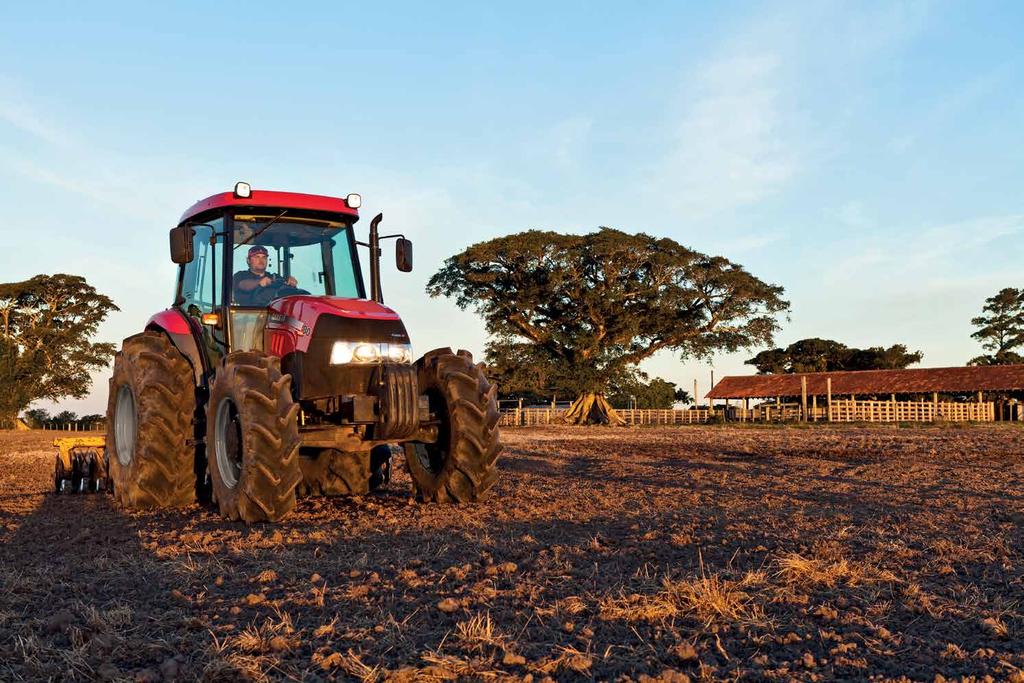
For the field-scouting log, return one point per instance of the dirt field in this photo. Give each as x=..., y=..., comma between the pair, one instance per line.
x=714, y=553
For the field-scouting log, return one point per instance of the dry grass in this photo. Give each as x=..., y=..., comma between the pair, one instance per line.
x=709, y=599
x=809, y=572
x=479, y=632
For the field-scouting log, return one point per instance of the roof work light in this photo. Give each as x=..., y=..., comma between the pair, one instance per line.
x=354, y=201
x=242, y=190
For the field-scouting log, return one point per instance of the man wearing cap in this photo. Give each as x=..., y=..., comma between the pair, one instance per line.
x=247, y=284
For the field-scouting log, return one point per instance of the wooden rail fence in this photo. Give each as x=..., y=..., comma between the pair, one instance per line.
x=841, y=411
x=527, y=417
x=911, y=411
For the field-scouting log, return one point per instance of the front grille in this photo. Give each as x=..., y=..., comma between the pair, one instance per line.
x=314, y=377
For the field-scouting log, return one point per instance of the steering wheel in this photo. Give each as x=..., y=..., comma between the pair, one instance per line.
x=275, y=290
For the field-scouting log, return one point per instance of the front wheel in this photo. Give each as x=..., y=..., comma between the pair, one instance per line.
x=461, y=465
x=252, y=438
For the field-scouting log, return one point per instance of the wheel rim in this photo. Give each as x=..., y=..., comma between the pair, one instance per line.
x=125, y=422
x=228, y=443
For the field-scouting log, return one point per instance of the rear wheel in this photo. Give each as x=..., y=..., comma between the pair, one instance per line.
x=149, y=416
x=330, y=472
x=252, y=438
x=461, y=465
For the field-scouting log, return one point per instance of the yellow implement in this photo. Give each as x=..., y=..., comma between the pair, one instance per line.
x=81, y=464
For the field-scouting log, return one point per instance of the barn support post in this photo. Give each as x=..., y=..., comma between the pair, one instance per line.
x=828, y=389
x=814, y=408
x=803, y=398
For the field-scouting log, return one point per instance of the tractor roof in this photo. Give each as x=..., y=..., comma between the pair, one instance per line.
x=271, y=199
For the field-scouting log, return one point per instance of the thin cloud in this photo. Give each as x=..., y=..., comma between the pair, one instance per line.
x=730, y=146
x=905, y=253
x=26, y=121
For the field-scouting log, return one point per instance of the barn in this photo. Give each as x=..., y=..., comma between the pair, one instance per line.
x=982, y=393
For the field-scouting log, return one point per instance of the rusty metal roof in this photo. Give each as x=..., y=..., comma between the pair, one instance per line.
x=916, y=381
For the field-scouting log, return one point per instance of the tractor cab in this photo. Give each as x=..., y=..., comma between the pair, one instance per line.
x=245, y=257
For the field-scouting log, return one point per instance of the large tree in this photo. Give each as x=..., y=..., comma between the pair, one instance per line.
x=826, y=355
x=46, y=327
x=1001, y=328
x=580, y=312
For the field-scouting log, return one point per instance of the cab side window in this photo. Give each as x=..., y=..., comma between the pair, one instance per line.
x=201, y=284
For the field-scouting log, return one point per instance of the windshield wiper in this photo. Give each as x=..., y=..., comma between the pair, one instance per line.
x=262, y=230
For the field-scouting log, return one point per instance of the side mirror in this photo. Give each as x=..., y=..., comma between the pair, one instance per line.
x=403, y=254
x=181, y=243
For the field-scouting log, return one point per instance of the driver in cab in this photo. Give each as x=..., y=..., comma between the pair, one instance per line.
x=247, y=284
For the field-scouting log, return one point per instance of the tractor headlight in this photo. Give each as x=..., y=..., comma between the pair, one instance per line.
x=344, y=352
x=399, y=353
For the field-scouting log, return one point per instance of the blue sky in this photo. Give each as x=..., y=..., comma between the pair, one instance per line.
x=867, y=156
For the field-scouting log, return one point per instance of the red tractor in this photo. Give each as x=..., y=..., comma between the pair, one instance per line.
x=274, y=374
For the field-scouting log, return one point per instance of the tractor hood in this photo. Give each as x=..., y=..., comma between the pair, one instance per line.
x=308, y=308
x=343, y=318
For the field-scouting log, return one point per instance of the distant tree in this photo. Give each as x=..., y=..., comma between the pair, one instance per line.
x=896, y=357
x=826, y=355
x=1001, y=358
x=640, y=393
x=37, y=417
x=65, y=416
x=579, y=312
x=683, y=396
x=46, y=324
x=94, y=417
x=770, y=362
x=1000, y=328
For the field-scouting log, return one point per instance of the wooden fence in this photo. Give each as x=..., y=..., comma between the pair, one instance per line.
x=911, y=411
x=842, y=411
x=527, y=417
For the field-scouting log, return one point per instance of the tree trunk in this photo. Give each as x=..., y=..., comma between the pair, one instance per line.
x=590, y=409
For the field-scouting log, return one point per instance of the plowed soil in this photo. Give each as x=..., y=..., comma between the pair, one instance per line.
x=700, y=552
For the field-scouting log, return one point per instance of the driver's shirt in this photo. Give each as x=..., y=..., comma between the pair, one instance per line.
x=239, y=295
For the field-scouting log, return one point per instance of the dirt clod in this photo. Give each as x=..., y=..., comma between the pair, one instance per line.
x=59, y=622
x=685, y=652
x=448, y=605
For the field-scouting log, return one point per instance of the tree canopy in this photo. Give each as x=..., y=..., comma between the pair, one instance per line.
x=826, y=355
x=46, y=327
x=579, y=312
x=1001, y=328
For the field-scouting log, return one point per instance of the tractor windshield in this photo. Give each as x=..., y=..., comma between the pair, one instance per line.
x=276, y=256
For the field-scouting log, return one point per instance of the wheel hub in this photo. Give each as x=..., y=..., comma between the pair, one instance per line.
x=125, y=423
x=228, y=443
